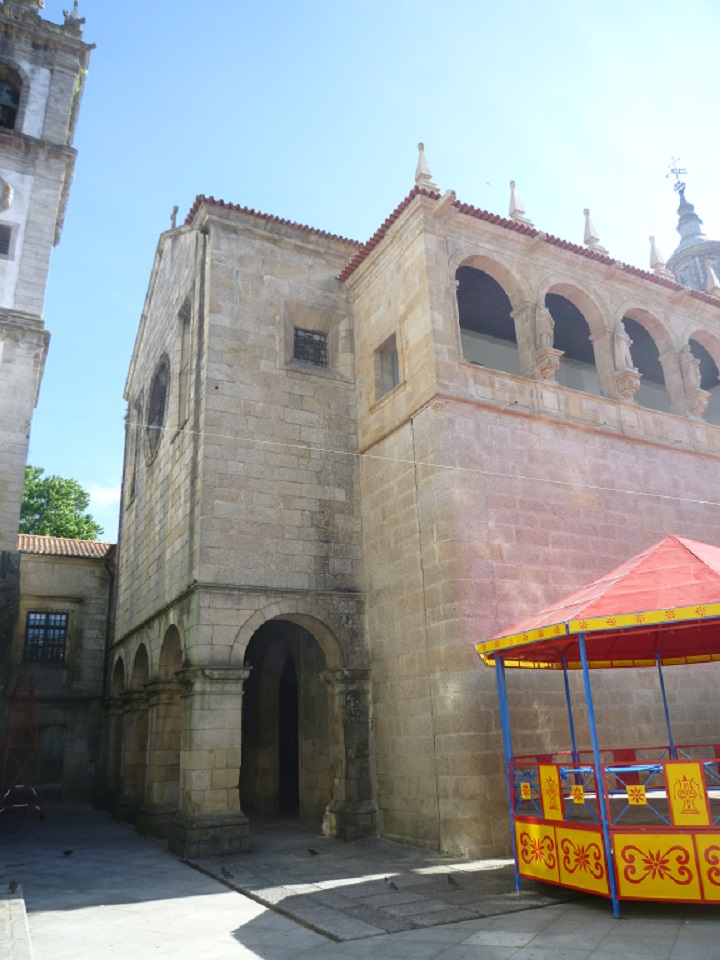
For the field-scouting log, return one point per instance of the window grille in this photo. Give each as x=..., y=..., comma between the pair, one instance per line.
x=310, y=347
x=45, y=636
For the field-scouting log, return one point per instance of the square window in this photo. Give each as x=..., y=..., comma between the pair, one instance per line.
x=310, y=347
x=387, y=367
x=45, y=636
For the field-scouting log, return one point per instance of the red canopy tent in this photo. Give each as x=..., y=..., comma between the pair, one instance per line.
x=664, y=601
x=660, y=608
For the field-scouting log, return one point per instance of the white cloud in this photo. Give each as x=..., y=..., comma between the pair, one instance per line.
x=104, y=496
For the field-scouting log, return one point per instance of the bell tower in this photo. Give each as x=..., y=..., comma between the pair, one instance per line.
x=42, y=71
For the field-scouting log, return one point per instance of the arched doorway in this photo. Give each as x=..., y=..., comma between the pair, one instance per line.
x=287, y=730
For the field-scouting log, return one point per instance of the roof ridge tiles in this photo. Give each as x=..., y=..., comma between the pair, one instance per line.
x=268, y=217
x=467, y=209
x=365, y=249
x=40, y=545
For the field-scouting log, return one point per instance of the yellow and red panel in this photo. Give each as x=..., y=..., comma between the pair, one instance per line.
x=582, y=859
x=708, y=848
x=656, y=866
x=550, y=791
x=687, y=794
x=536, y=851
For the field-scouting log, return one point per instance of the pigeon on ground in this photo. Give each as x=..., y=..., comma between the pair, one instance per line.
x=453, y=882
x=67, y=853
x=312, y=851
x=226, y=874
x=12, y=886
x=393, y=886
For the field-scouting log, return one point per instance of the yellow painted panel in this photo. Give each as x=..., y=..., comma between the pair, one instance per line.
x=578, y=793
x=636, y=795
x=708, y=848
x=525, y=790
x=550, y=792
x=686, y=794
x=656, y=866
x=536, y=850
x=582, y=859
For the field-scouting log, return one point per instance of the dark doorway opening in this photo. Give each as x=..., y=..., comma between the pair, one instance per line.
x=287, y=729
x=288, y=751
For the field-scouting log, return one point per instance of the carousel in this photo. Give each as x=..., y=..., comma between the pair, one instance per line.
x=628, y=823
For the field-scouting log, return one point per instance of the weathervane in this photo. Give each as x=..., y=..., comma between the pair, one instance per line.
x=679, y=185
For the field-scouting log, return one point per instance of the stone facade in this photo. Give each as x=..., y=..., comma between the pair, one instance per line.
x=71, y=579
x=344, y=466
x=42, y=70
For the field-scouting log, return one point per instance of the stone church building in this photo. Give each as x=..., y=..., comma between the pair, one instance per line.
x=346, y=464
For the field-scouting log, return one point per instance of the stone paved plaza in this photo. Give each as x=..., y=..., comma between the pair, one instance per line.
x=118, y=895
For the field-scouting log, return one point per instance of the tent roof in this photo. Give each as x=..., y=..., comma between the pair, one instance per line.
x=664, y=601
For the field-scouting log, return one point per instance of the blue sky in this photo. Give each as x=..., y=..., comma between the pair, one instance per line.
x=312, y=110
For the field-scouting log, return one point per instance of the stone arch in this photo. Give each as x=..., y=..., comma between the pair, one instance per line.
x=706, y=348
x=171, y=656
x=13, y=73
x=579, y=328
x=488, y=299
x=654, y=354
x=517, y=291
x=135, y=736
x=315, y=618
x=298, y=688
x=114, y=732
x=141, y=668
x=161, y=772
x=117, y=681
x=581, y=299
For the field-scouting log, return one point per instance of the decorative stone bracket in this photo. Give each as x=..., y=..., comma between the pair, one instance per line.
x=547, y=362
x=628, y=383
x=697, y=401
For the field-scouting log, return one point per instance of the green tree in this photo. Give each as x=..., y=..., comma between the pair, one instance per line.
x=56, y=507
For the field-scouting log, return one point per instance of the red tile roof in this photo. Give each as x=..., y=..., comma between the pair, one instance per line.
x=375, y=239
x=60, y=547
x=464, y=208
x=201, y=198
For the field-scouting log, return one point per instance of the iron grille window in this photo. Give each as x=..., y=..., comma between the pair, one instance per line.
x=45, y=636
x=310, y=347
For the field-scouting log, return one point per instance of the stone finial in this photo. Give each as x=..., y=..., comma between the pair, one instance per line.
x=517, y=211
x=73, y=20
x=657, y=261
x=423, y=173
x=713, y=285
x=173, y=217
x=22, y=9
x=591, y=238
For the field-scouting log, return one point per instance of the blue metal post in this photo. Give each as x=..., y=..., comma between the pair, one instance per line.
x=599, y=778
x=507, y=749
x=570, y=713
x=673, y=755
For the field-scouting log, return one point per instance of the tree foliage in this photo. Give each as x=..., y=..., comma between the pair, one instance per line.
x=56, y=507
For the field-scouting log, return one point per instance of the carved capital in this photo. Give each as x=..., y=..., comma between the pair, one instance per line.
x=628, y=383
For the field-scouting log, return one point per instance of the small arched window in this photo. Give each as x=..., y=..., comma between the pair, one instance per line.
x=156, y=406
x=9, y=103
